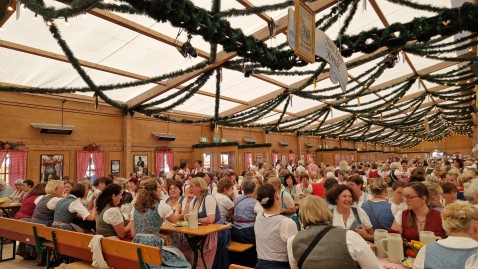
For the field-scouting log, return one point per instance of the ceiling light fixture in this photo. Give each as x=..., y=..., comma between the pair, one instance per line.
x=247, y=68
x=391, y=59
x=187, y=49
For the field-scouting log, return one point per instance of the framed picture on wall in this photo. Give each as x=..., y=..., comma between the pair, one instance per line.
x=51, y=166
x=140, y=164
x=283, y=158
x=115, y=166
x=258, y=158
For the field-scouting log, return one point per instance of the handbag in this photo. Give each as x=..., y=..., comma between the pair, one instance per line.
x=166, y=238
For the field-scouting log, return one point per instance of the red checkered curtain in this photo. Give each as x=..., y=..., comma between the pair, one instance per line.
x=247, y=160
x=82, y=161
x=275, y=157
x=3, y=155
x=18, y=166
x=169, y=160
x=159, y=161
x=99, y=161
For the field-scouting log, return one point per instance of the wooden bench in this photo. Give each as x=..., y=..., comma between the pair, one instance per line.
x=235, y=266
x=16, y=230
x=117, y=253
x=239, y=247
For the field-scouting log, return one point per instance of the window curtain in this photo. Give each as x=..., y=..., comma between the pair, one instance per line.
x=309, y=157
x=18, y=166
x=99, y=161
x=291, y=156
x=159, y=161
x=82, y=160
x=275, y=157
x=247, y=160
x=170, y=160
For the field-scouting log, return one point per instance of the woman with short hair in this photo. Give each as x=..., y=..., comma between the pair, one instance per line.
x=45, y=207
x=434, y=195
x=335, y=248
x=246, y=210
x=449, y=192
x=272, y=230
x=28, y=205
x=459, y=250
x=224, y=197
x=347, y=216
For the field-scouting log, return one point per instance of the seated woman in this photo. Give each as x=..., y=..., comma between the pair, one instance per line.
x=434, y=195
x=215, y=251
x=148, y=214
x=347, y=216
x=223, y=194
x=418, y=217
x=110, y=221
x=337, y=247
x=246, y=210
x=68, y=208
x=290, y=185
x=378, y=208
x=69, y=184
x=45, y=208
x=397, y=199
x=356, y=184
x=272, y=230
x=288, y=207
x=459, y=250
x=28, y=205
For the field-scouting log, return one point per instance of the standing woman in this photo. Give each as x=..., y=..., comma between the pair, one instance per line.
x=110, y=221
x=148, y=214
x=272, y=230
x=418, y=217
x=215, y=251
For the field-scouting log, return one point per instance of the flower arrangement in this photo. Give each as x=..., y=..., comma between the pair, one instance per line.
x=11, y=145
x=92, y=147
x=163, y=149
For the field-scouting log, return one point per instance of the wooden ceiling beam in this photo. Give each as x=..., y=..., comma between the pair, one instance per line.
x=221, y=58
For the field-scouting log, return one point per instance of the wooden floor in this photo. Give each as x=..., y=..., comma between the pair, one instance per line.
x=18, y=263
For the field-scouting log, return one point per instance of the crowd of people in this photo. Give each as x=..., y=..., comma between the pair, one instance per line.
x=297, y=215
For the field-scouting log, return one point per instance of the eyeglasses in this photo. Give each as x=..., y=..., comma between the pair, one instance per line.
x=407, y=198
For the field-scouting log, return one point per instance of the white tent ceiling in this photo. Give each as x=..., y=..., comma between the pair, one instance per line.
x=114, y=47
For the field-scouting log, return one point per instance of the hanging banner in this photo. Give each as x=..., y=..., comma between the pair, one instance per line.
x=305, y=35
x=325, y=48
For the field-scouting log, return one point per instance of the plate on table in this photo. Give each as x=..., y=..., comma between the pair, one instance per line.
x=408, y=262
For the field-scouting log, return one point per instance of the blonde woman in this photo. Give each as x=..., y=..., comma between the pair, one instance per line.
x=460, y=249
x=434, y=195
x=338, y=248
x=215, y=246
x=378, y=209
x=45, y=205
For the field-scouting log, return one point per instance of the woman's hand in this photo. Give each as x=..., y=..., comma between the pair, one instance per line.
x=189, y=198
x=362, y=232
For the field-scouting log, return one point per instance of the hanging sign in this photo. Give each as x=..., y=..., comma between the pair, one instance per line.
x=325, y=48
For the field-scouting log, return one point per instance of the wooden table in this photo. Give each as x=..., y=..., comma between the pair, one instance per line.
x=10, y=209
x=196, y=237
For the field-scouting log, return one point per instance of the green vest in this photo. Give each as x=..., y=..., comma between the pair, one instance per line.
x=103, y=228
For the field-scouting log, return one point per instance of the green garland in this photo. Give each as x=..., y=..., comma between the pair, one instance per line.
x=248, y=146
x=212, y=145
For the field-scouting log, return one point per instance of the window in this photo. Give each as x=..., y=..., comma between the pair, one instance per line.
x=4, y=169
x=225, y=160
x=164, y=166
x=91, y=171
x=206, y=156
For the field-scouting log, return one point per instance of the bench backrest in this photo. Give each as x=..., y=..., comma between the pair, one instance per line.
x=122, y=254
x=18, y=230
x=73, y=244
